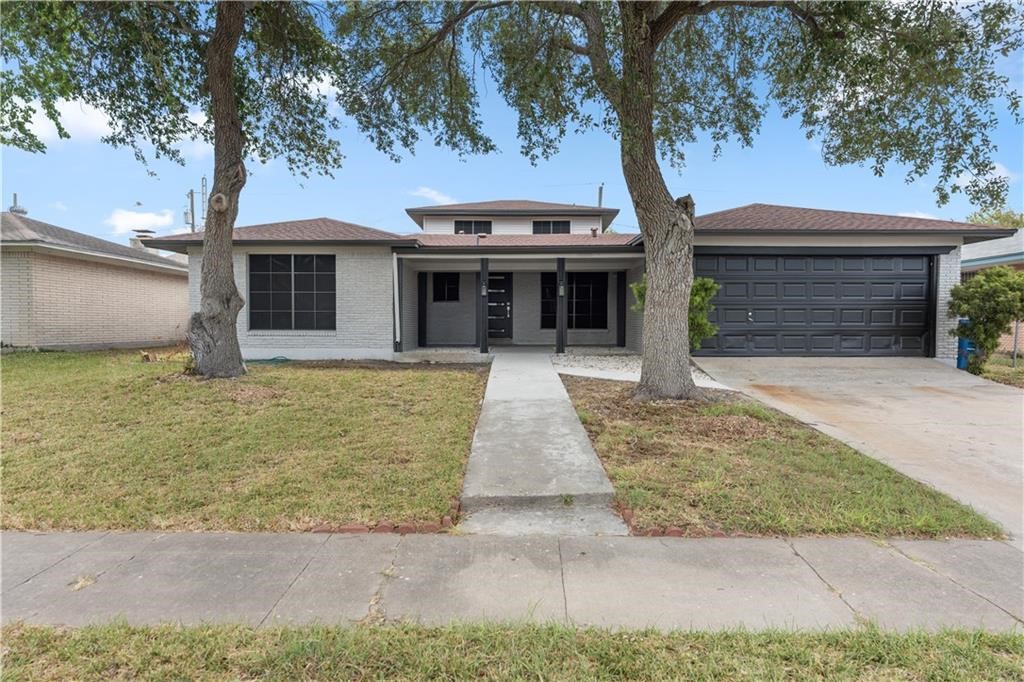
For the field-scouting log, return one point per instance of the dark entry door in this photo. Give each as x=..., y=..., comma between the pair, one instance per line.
x=819, y=305
x=499, y=305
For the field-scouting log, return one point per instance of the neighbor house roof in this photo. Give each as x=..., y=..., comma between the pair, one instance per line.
x=24, y=231
x=773, y=218
x=312, y=230
x=512, y=207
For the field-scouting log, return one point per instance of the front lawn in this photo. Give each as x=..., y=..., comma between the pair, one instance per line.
x=502, y=652
x=738, y=467
x=103, y=440
x=1000, y=368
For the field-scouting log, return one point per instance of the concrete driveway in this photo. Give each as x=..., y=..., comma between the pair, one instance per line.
x=958, y=433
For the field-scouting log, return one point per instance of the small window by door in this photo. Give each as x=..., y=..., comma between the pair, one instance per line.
x=446, y=286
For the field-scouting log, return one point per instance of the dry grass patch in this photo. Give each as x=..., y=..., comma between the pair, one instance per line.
x=104, y=440
x=737, y=467
x=1000, y=368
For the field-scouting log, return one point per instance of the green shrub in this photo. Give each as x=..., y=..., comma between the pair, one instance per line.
x=703, y=290
x=991, y=301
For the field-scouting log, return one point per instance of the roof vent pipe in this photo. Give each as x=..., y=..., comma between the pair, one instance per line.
x=15, y=208
x=593, y=232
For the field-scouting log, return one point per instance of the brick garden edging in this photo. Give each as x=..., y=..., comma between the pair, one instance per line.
x=446, y=523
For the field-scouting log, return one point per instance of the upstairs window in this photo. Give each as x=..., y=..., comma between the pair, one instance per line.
x=446, y=286
x=291, y=291
x=472, y=227
x=586, y=300
x=551, y=227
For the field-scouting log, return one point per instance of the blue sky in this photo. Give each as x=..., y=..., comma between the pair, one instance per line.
x=84, y=185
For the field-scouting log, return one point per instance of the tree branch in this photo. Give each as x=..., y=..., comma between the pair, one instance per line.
x=596, y=49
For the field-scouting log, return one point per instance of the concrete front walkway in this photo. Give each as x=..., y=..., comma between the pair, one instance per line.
x=954, y=431
x=531, y=467
x=276, y=579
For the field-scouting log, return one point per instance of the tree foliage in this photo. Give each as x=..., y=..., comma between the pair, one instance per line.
x=990, y=301
x=143, y=65
x=1003, y=216
x=912, y=83
x=701, y=293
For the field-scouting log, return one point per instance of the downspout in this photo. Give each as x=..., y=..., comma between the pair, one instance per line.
x=395, y=302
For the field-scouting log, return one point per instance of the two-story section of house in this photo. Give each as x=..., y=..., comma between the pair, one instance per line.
x=518, y=272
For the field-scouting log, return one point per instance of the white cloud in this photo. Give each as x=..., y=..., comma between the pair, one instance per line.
x=124, y=221
x=918, y=214
x=59, y=205
x=998, y=171
x=432, y=195
x=84, y=122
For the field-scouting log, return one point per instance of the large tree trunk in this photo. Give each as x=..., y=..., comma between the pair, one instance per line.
x=666, y=225
x=212, y=331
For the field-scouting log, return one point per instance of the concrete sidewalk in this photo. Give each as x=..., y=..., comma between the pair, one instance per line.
x=532, y=469
x=274, y=579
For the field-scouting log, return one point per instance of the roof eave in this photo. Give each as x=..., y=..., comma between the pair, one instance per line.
x=181, y=245
x=484, y=250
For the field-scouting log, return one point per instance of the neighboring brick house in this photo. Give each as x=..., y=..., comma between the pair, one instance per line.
x=794, y=281
x=64, y=290
x=1008, y=251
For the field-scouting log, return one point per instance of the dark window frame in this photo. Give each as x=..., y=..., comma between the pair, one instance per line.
x=552, y=226
x=586, y=300
x=445, y=289
x=473, y=227
x=292, y=292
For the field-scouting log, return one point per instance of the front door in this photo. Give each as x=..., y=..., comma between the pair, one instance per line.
x=499, y=305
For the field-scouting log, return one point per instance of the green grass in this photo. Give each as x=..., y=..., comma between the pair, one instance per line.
x=103, y=440
x=1000, y=368
x=740, y=468
x=501, y=652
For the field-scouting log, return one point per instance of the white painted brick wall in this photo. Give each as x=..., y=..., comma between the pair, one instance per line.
x=364, y=317
x=949, y=276
x=65, y=303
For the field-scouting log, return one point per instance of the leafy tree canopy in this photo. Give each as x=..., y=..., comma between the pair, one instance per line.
x=1002, y=217
x=913, y=83
x=144, y=65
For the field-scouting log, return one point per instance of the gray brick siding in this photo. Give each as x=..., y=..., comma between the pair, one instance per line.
x=364, y=312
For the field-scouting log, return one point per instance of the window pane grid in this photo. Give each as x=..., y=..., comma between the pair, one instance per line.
x=292, y=291
x=472, y=227
x=586, y=300
x=551, y=227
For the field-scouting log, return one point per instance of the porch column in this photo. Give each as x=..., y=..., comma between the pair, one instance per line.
x=483, y=310
x=560, y=307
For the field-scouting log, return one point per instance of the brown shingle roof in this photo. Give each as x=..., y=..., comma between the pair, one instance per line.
x=513, y=241
x=772, y=218
x=512, y=207
x=316, y=230
x=19, y=229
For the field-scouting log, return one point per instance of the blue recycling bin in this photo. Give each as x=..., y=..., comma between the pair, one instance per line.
x=964, y=349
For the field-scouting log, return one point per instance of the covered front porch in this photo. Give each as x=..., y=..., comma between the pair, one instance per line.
x=456, y=301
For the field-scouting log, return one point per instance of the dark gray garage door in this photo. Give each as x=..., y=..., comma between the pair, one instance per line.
x=819, y=305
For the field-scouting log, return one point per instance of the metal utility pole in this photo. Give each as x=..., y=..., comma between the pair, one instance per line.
x=202, y=219
x=600, y=194
x=191, y=194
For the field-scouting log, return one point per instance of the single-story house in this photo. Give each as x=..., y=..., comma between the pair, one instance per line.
x=64, y=290
x=1008, y=251
x=794, y=281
